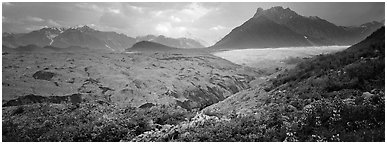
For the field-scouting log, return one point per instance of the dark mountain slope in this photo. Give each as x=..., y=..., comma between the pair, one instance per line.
x=10, y=39
x=76, y=37
x=279, y=27
x=172, y=42
x=149, y=46
x=261, y=32
x=363, y=61
x=313, y=27
x=361, y=32
x=40, y=37
x=88, y=37
x=45, y=49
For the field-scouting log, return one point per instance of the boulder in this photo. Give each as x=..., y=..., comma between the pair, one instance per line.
x=367, y=95
x=43, y=75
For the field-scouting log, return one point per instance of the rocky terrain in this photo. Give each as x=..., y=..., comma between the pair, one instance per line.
x=190, y=81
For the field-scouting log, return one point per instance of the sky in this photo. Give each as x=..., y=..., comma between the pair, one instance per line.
x=208, y=22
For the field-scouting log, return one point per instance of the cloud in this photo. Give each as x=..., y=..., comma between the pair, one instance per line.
x=34, y=19
x=7, y=4
x=136, y=8
x=37, y=21
x=113, y=10
x=166, y=28
x=175, y=19
x=89, y=6
x=195, y=11
x=115, y=19
x=163, y=27
x=34, y=27
x=162, y=13
x=218, y=27
x=189, y=13
x=51, y=22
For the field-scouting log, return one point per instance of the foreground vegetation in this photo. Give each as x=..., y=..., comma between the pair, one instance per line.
x=89, y=122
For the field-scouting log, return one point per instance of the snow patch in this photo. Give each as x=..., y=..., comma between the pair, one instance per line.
x=51, y=37
x=51, y=41
x=109, y=47
x=132, y=52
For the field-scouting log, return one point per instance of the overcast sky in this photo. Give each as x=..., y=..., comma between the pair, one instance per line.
x=206, y=21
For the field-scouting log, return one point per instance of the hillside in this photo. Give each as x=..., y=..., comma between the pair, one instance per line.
x=46, y=49
x=335, y=97
x=261, y=32
x=147, y=46
x=172, y=42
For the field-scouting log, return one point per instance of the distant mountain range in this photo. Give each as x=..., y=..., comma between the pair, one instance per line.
x=279, y=27
x=274, y=27
x=84, y=36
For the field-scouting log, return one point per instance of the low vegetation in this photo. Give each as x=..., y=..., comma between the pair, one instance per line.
x=89, y=122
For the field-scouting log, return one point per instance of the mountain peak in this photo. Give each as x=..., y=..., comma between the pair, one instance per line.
x=259, y=12
x=82, y=28
x=55, y=29
x=277, y=12
x=277, y=8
